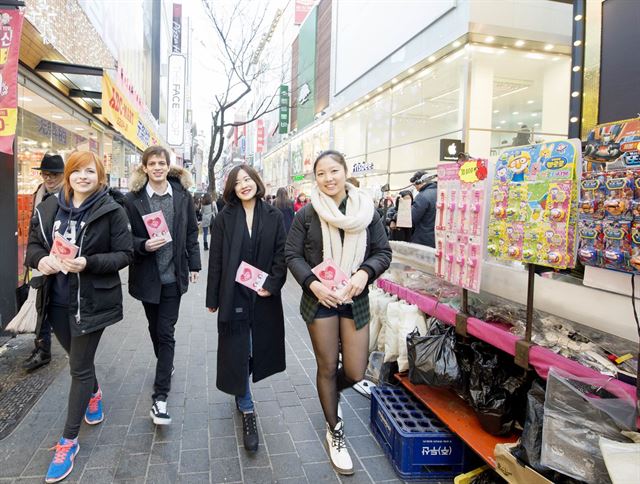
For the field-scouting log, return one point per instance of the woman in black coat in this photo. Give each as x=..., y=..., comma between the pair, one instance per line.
x=340, y=224
x=250, y=323
x=81, y=293
x=285, y=205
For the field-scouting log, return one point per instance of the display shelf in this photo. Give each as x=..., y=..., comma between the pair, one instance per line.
x=541, y=359
x=456, y=414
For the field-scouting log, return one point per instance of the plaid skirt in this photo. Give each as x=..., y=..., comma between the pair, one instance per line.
x=360, y=307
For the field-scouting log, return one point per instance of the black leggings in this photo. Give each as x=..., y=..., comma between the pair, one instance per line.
x=326, y=334
x=81, y=351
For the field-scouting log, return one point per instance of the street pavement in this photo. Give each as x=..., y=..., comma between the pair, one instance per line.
x=204, y=442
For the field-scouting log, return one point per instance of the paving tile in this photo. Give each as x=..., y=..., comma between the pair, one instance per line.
x=286, y=465
x=226, y=470
x=96, y=476
x=312, y=451
x=320, y=472
x=279, y=444
x=138, y=444
x=104, y=456
x=259, y=458
x=359, y=477
x=194, y=461
x=132, y=466
x=223, y=427
x=294, y=414
x=162, y=474
x=288, y=399
x=302, y=431
x=195, y=439
x=258, y=475
x=272, y=425
x=379, y=469
x=167, y=433
x=112, y=435
x=165, y=452
x=223, y=447
x=195, y=478
x=365, y=446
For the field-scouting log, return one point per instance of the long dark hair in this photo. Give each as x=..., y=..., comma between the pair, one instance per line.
x=282, y=199
x=206, y=199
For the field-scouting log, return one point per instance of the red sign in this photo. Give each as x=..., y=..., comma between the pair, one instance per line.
x=302, y=9
x=260, y=137
x=10, y=29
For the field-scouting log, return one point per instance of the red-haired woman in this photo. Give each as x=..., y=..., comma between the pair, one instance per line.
x=81, y=295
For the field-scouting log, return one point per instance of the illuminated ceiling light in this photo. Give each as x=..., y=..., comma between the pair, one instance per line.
x=79, y=129
x=573, y=119
x=489, y=38
x=520, y=89
x=534, y=115
x=575, y=68
x=515, y=113
x=575, y=94
x=577, y=43
x=443, y=114
x=555, y=59
x=380, y=89
x=57, y=116
x=530, y=101
x=535, y=56
x=456, y=44
x=502, y=122
x=495, y=111
x=536, y=125
x=25, y=99
x=446, y=93
x=519, y=43
x=498, y=127
x=577, y=18
x=411, y=70
x=431, y=58
x=548, y=47
x=367, y=96
x=394, y=80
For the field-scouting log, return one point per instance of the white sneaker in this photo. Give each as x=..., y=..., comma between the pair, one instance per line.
x=159, y=413
x=337, y=445
x=339, y=410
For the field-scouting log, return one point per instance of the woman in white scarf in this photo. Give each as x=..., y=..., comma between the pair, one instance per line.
x=340, y=224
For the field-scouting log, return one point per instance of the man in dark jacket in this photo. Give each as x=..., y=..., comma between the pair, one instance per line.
x=161, y=270
x=423, y=209
x=51, y=170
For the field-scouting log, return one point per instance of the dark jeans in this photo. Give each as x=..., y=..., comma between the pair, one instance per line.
x=162, y=319
x=81, y=351
x=205, y=235
x=45, y=334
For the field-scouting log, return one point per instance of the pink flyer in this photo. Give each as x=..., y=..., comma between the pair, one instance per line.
x=331, y=275
x=62, y=248
x=250, y=276
x=157, y=226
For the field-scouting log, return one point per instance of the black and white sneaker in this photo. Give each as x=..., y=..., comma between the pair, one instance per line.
x=173, y=370
x=159, y=413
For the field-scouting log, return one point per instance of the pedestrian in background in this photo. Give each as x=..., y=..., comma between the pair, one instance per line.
x=209, y=210
x=423, y=209
x=161, y=270
x=340, y=224
x=83, y=295
x=250, y=323
x=399, y=233
x=354, y=181
x=51, y=169
x=285, y=205
x=301, y=201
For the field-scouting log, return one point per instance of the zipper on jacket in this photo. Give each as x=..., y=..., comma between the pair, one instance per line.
x=84, y=231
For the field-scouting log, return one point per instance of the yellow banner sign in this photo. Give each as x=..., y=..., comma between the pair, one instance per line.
x=121, y=113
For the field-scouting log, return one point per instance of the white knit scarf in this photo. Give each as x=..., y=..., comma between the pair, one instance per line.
x=350, y=254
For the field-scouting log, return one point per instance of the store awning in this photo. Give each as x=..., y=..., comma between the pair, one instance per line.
x=83, y=82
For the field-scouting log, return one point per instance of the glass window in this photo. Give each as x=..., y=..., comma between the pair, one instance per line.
x=378, y=112
x=350, y=133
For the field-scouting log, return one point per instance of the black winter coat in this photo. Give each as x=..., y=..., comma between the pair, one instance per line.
x=304, y=248
x=423, y=216
x=266, y=319
x=105, y=241
x=144, y=277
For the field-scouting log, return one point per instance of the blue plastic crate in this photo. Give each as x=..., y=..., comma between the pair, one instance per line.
x=418, y=444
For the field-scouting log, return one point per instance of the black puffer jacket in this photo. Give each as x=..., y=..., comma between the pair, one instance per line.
x=304, y=248
x=105, y=241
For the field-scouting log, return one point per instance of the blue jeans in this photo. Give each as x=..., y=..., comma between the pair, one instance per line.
x=245, y=402
x=205, y=235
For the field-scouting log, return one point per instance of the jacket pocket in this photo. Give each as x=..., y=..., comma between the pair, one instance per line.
x=106, y=282
x=107, y=293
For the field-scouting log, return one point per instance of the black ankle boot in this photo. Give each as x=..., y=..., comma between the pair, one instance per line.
x=250, y=431
x=40, y=356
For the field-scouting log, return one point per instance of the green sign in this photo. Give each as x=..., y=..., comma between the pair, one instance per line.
x=298, y=177
x=284, y=109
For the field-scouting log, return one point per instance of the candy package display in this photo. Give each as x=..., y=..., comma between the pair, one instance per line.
x=460, y=223
x=534, y=203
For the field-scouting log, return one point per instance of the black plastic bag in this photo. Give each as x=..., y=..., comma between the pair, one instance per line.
x=530, y=446
x=432, y=359
x=493, y=391
x=464, y=355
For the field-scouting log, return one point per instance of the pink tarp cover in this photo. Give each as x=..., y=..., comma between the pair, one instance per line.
x=540, y=358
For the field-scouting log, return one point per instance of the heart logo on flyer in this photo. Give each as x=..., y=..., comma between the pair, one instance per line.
x=328, y=274
x=246, y=275
x=62, y=249
x=154, y=222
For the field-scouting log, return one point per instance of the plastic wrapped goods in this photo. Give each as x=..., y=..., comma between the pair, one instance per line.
x=432, y=359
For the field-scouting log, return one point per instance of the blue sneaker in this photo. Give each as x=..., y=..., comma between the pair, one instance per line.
x=94, y=413
x=62, y=463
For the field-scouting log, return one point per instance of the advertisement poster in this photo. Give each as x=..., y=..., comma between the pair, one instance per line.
x=10, y=29
x=460, y=222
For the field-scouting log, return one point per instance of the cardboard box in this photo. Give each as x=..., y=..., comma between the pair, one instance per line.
x=513, y=471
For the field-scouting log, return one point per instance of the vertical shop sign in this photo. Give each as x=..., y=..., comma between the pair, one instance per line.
x=10, y=28
x=284, y=109
x=302, y=9
x=260, y=137
x=175, y=109
x=176, y=39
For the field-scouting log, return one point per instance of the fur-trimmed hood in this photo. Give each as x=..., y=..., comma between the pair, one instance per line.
x=139, y=178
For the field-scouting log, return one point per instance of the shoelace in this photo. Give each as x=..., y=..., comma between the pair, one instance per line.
x=93, y=403
x=338, y=440
x=249, y=423
x=61, y=452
